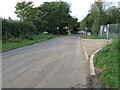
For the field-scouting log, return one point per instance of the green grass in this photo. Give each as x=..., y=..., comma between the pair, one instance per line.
x=92, y=37
x=108, y=58
x=15, y=43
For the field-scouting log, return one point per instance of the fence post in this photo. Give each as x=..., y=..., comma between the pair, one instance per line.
x=107, y=37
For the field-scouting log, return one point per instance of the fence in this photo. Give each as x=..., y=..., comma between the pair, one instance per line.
x=110, y=30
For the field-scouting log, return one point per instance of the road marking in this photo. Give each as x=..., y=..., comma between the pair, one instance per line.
x=86, y=54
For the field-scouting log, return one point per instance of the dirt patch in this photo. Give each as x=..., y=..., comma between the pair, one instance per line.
x=78, y=86
x=92, y=45
x=85, y=36
x=92, y=82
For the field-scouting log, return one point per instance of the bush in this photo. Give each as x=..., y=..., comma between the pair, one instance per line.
x=109, y=57
x=15, y=29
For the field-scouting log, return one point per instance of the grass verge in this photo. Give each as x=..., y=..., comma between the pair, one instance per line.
x=92, y=37
x=9, y=45
x=107, y=61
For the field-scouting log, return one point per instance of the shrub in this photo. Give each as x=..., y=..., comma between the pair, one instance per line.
x=11, y=29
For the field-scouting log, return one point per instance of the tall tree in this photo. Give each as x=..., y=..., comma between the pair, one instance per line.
x=73, y=22
x=50, y=16
x=83, y=25
x=53, y=15
x=25, y=11
x=97, y=12
x=101, y=13
x=112, y=15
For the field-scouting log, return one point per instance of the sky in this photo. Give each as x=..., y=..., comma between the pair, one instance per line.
x=79, y=8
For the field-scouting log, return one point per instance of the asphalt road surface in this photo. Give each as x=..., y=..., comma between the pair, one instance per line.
x=56, y=63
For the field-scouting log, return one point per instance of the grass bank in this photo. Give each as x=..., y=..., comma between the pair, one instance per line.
x=92, y=37
x=13, y=43
x=107, y=61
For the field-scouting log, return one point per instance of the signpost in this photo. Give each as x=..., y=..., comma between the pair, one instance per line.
x=107, y=32
x=57, y=30
x=86, y=30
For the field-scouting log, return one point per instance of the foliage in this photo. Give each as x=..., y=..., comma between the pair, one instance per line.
x=47, y=17
x=18, y=42
x=108, y=57
x=97, y=12
x=100, y=15
x=73, y=22
x=83, y=25
x=25, y=11
x=113, y=15
x=12, y=29
x=54, y=14
x=92, y=37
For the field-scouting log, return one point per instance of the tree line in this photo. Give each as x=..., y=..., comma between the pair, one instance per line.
x=51, y=17
x=101, y=13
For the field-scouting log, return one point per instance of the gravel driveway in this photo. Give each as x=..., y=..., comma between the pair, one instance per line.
x=92, y=45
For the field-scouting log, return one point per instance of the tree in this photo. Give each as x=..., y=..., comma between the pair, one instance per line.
x=97, y=12
x=83, y=25
x=53, y=15
x=25, y=11
x=87, y=22
x=73, y=22
x=112, y=15
x=48, y=16
x=100, y=14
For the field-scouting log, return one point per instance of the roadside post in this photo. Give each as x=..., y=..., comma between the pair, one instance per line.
x=107, y=36
x=86, y=30
x=57, y=30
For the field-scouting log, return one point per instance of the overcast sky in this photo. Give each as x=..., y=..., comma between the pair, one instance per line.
x=79, y=8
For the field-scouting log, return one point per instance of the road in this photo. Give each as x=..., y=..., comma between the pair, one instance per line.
x=55, y=63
